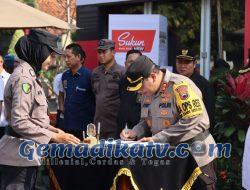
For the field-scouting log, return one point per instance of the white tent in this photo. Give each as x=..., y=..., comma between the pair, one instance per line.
x=14, y=14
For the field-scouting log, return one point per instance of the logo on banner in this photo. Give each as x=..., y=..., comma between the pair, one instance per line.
x=126, y=40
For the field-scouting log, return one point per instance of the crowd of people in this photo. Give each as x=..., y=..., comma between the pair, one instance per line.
x=140, y=101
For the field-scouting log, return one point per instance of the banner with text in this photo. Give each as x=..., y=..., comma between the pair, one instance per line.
x=147, y=33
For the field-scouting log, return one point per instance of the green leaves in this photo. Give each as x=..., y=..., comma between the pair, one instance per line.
x=241, y=116
x=225, y=111
x=241, y=135
x=229, y=131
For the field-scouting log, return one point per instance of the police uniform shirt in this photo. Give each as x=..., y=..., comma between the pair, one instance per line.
x=105, y=85
x=79, y=104
x=26, y=111
x=175, y=114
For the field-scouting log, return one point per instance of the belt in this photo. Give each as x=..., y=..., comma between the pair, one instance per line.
x=9, y=131
x=200, y=137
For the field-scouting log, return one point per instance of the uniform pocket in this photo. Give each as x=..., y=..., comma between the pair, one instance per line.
x=40, y=100
x=161, y=119
x=96, y=85
x=113, y=86
x=39, y=107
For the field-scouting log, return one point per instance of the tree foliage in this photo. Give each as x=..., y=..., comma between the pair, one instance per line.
x=184, y=19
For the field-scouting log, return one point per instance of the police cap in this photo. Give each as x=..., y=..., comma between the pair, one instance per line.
x=137, y=71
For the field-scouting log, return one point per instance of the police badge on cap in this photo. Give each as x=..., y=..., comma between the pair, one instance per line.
x=105, y=44
x=137, y=71
x=185, y=53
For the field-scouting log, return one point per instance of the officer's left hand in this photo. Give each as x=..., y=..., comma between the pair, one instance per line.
x=146, y=139
x=55, y=130
x=60, y=131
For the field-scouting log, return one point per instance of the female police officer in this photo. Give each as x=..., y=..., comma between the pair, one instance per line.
x=26, y=111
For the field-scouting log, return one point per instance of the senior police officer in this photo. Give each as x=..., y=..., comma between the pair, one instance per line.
x=105, y=84
x=173, y=111
x=26, y=111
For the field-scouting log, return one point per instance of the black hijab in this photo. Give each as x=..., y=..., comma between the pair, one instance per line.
x=31, y=52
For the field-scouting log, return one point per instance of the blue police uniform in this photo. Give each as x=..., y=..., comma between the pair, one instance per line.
x=79, y=102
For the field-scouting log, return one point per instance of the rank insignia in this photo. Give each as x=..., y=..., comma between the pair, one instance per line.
x=164, y=112
x=32, y=73
x=169, y=95
x=26, y=87
x=166, y=123
x=164, y=100
x=138, y=98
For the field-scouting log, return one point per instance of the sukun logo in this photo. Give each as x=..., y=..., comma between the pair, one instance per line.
x=126, y=39
x=133, y=39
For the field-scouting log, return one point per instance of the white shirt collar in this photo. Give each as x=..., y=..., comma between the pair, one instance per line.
x=167, y=75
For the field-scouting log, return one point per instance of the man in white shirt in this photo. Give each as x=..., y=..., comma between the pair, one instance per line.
x=4, y=76
x=57, y=84
x=1, y=101
x=1, y=94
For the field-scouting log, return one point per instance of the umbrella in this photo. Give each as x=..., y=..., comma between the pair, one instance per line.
x=14, y=14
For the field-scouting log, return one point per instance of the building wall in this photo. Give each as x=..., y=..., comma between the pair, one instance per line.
x=57, y=8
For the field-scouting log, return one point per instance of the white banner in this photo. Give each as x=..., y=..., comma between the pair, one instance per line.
x=147, y=33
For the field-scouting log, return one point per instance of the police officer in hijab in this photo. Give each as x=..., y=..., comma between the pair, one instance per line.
x=26, y=111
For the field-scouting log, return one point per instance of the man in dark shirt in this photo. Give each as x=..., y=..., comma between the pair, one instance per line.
x=185, y=65
x=77, y=96
x=105, y=84
x=130, y=107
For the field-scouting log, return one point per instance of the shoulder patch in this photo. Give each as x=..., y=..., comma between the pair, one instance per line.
x=26, y=87
x=188, y=103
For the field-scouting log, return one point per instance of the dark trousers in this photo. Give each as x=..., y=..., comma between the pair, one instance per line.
x=17, y=178
x=207, y=180
x=109, y=135
x=2, y=129
x=69, y=176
